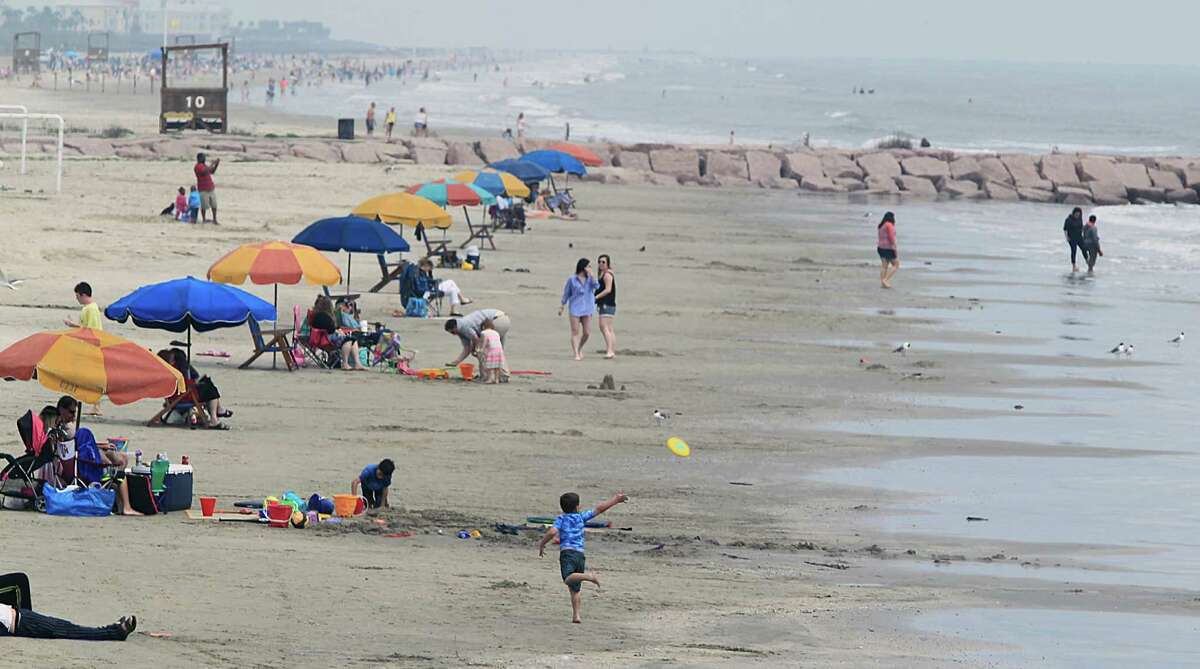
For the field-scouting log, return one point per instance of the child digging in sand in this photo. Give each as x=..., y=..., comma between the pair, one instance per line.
x=569, y=529
x=494, y=364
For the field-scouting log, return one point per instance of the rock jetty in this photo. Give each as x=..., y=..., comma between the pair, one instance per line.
x=1075, y=179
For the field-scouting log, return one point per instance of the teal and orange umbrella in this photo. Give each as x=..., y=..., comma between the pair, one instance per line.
x=450, y=193
x=88, y=364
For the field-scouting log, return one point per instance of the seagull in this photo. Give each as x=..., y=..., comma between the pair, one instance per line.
x=8, y=283
x=1129, y=349
x=661, y=416
x=1118, y=349
x=1177, y=340
x=902, y=349
x=642, y=250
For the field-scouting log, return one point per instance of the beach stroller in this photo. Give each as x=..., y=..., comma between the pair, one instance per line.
x=20, y=487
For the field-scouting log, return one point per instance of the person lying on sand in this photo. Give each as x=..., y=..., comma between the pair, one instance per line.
x=25, y=622
x=568, y=527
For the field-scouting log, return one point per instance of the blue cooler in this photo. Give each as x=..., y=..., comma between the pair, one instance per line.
x=177, y=493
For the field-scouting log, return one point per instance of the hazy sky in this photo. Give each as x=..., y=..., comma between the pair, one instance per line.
x=1150, y=31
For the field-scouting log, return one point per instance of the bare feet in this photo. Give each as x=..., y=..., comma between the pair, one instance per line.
x=578, y=357
x=610, y=355
x=577, y=620
x=884, y=284
x=131, y=512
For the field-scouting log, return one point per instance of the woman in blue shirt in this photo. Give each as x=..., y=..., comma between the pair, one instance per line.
x=580, y=294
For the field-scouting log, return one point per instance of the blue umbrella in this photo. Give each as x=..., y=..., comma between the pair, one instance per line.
x=352, y=234
x=556, y=161
x=522, y=169
x=185, y=304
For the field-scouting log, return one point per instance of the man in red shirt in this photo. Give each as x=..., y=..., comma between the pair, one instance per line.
x=206, y=187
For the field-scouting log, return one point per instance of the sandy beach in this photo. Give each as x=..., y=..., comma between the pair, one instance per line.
x=745, y=313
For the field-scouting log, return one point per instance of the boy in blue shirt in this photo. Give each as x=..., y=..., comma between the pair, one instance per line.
x=569, y=529
x=375, y=481
x=193, y=214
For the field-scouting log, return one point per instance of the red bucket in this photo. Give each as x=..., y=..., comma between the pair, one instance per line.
x=207, y=506
x=278, y=515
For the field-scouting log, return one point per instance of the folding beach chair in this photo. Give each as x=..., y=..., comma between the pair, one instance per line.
x=188, y=403
x=481, y=232
x=439, y=249
x=388, y=272
x=315, y=343
x=278, y=344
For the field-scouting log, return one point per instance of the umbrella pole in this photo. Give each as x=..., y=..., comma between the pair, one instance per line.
x=275, y=323
x=349, y=262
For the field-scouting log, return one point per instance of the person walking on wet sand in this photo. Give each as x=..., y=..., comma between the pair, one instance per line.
x=371, y=120
x=889, y=257
x=1073, y=231
x=1090, y=243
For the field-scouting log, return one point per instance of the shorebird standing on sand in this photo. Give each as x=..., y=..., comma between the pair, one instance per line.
x=8, y=283
x=902, y=349
x=1177, y=340
x=1118, y=349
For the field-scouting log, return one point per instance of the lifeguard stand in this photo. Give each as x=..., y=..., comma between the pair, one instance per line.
x=27, y=53
x=97, y=47
x=194, y=107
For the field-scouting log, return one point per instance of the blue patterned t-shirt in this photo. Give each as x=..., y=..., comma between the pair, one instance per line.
x=570, y=529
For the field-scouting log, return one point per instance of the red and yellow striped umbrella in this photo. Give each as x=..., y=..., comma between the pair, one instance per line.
x=275, y=262
x=87, y=364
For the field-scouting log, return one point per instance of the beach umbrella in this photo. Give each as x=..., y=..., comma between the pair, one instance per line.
x=275, y=262
x=403, y=209
x=494, y=182
x=88, y=364
x=527, y=172
x=183, y=305
x=578, y=152
x=352, y=234
x=556, y=162
x=444, y=192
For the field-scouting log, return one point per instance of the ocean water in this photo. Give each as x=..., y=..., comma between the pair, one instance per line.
x=1136, y=511
x=970, y=106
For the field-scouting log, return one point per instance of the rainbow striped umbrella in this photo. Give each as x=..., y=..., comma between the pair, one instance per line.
x=275, y=262
x=494, y=182
x=87, y=364
x=450, y=193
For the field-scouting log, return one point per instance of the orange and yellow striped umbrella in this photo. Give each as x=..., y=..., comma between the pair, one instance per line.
x=403, y=209
x=275, y=262
x=87, y=364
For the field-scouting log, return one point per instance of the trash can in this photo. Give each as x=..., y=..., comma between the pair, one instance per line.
x=345, y=128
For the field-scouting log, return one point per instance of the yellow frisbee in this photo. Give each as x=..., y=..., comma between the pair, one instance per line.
x=678, y=447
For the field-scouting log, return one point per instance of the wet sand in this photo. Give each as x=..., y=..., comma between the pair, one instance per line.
x=723, y=320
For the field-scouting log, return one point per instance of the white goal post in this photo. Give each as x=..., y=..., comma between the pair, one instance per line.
x=25, y=116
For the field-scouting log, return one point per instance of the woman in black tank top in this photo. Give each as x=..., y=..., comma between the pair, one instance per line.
x=606, y=304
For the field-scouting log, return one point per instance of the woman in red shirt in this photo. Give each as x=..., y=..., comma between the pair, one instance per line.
x=888, y=252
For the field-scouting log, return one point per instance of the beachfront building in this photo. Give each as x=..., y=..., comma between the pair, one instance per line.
x=185, y=17
x=114, y=16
